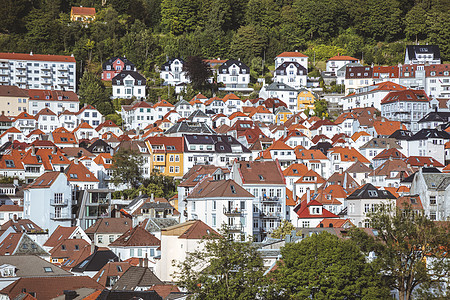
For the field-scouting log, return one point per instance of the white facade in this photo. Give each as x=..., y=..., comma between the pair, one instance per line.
x=50, y=206
x=172, y=72
x=234, y=75
x=38, y=71
x=292, y=74
x=90, y=115
x=292, y=56
x=128, y=84
x=337, y=62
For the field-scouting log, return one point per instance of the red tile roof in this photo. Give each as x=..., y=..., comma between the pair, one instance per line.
x=342, y=57
x=40, y=57
x=78, y=172
x=336, y=223
x=85, y=11
x=304, y=213
x=292, y=54
x=406, y=95
x=136, y=236
x=52, y=95
x=60, y=234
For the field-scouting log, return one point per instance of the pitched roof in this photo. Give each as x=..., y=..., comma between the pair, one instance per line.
x=52, y=95
x=136, y=236
x=222, y=188
x=68, y=247
x=12, y=91
x=368, y=191
x=295, y=169
x=303, y=212
x=291, y=54
x=86, y=11
x=44, y=181
x=189, y=230
x=95, y=261
x=342, y=57
x=406, y=95
x=78, y=172
x=111, y=269
x=336, y=223
x=60, y=234
x=260, y=172
x=110, y=225
x=49, y=287
x=136, y=277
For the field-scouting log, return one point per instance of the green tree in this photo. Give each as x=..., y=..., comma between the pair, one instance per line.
x=92, y=91
x=127, y=168
x=197, y=71
x=247, y=43
x=410, y=249
x=321, y=108
x=224, y=269
x=323, y=266
x=415, y=21
x=284, y=229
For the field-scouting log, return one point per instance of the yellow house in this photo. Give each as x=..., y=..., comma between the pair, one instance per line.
x=82, y=14
x=282, y=114
x=167, y=155
x=305, y=100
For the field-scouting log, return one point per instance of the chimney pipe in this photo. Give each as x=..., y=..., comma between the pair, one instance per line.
x=146, y=261
x=308, y=195
x=140, y=262
x=92, y=247
x=33, y=150
x=340, y=170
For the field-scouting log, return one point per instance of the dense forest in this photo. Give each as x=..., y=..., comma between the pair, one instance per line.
x=149, y=31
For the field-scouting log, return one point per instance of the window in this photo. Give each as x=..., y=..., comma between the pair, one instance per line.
x=111, y=238
x=432, y=200
x=100, y=239
x=131, y=252
x=366, y=208
x=48, y=270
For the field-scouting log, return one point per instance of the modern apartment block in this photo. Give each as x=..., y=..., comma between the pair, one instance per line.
x=37, y=71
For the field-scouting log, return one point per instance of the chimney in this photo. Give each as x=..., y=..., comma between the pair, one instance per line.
x=54, y=150
x=33, y=150
x=146, y=261
x=76, y=160
x=341, y=170
x=140, y=262
x=70, y=294
x=92, y=247
x=294, y=194
x=308, y=195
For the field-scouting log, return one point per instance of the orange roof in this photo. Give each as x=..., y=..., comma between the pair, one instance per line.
x=162, y=103
x=88, y=106
x=85, y=11
x=259, y=110
x=239, y=114
x=63, y=136
x=289, y=198
x=292, y=54
x=40, y=57
x=342, y=57
x=279, y=145
x=83, y=125
x=24, y=115
x=45, y=157
x=295, y=170
x=15, y=156
x=230, y=96
x=199, y=96
x=107, y=123
x=101, y=160
x=312, y=154
x=359, y=134
x=78, y=172
x=386, y=127
x=446, y=169
x=311, y=173
x=348, y=154
x=52, y=95
x=336, y=223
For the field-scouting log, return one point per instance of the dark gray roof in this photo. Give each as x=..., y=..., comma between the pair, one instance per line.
x=401, y=134
x=231, y=62
x=95, y=261
x=436, y=181
x=169, y=63
x=279, y=86
x=110, y=62
x=99, y=146
x=381, y=143
x=281, y=70
x=368, y=191
x=190, y=127
x=182, y=102
x=436, y=116
x=156, y=224
x=197, y=114
x=221, y=143
x=135, y=277
x=118, y=79
x=425, y=134
x=412, y=50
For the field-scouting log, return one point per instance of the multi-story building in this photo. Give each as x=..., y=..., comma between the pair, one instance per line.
x=437, y=78
x=138, y=116
x=222, y=202
x=429, y=142
x=173, y=74
x=167, y=153
x=357, y=77
x=407, y=106
x=422, y=54
x=114, y=66
x=56, y=101
x=37, y=71
x=13, y=100
x=296, y=56
x=234, y=75
x=291, y=73
x=282, y=91
x=128, y=84
x=337, y=62
x=48, y=201
x=265, y=181
x=90, y=115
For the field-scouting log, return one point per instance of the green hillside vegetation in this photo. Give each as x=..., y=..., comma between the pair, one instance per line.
x=149, y=31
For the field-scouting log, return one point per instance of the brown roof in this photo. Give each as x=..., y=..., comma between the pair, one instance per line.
x=337, y=223
x=73, y=151
x=110, y=225
x=11, y=208
x=111, y=269
x=55, y=95
x=60, y=234
x=136, y=236
x=29, y=225
x=49, y=287
x=411, y=200
x=359, y=167
x=86, y=11
x=12, y=91
x=189, y=230
x=260, y=172
x=10, y=243
x=222, y=188
x=68, y=248
x=44, y=181
x=165, y=289
x=78, y=172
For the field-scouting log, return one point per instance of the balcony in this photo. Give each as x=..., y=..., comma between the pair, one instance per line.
x=100, y=201
x=59, y=202
x=62, y=68
x=21, y=66
x=270, y=215
x=21, y=74
x=231, y=211
x=62, y=75
x=235, y=228
x=4, y=66
x=46, y=82
x=46, y=74
x=266, y=199
x=61, y=216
